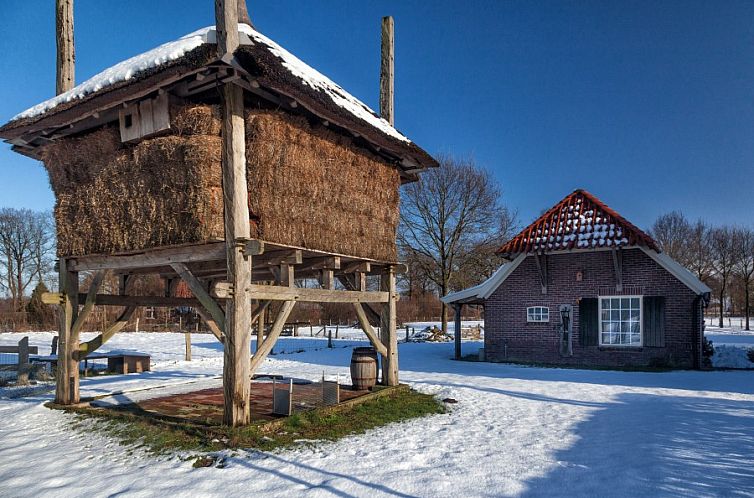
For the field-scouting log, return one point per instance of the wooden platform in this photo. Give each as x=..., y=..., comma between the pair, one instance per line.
x=206, y=406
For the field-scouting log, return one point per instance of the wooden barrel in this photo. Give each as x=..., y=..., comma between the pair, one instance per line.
x=363, y=368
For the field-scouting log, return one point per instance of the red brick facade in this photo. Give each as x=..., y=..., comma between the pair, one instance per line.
x=508, y=336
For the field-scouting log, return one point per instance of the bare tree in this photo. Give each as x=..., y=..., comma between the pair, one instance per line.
x=699, y=252
x=452, y=210
x=672, y=231
x=723, y=261
x=743, y=255
x=26, y=242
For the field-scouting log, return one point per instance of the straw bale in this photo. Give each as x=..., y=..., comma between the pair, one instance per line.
x=308, y=187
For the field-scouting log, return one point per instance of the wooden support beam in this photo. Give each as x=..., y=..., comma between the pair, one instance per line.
x=236, y=364
x=388, y=332
x=286, y=276
x=212, y=325
x=66, y=52
x=368, y=330
x=67, y=372
x=327, y=279
x=94, y=344
x=322, y=263
x=253, y=247
x=89, y=301
x=618, y=268
x=350, y=284
x=272, y=337
x=197, y=288
x=155, y=257
x=289, y=257
x=357, y=267
x=223, y=290
x=541, y=261
x=387, y=70
x=159, y=301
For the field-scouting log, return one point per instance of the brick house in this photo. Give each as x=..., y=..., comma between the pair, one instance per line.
x=583, y=286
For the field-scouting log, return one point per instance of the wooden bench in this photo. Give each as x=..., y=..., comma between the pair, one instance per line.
x=121, y=362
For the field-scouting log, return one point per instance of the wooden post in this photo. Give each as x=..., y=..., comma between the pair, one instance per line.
x=187, y=335
x=387, y=70
x=388, y=330
x=457, y=334
x=237, y=360
x=23, y=362
x=66, y=55
x=67, y=385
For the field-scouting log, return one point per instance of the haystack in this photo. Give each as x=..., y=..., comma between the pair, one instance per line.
x=308, y=187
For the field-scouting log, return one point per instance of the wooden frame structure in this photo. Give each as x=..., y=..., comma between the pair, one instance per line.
x=273, y=271
x=233, y=281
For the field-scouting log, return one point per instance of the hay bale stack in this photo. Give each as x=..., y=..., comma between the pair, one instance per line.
x=312, y=188
x=307, y=187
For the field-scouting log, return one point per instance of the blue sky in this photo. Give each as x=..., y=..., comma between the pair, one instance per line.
x=649, y=105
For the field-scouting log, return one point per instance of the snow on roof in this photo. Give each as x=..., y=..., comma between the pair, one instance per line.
x=171, y=51
x=123, y=71
x=580, y=221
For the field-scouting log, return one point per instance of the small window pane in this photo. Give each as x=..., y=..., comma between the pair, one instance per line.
x=635, y=302
x=615, y=304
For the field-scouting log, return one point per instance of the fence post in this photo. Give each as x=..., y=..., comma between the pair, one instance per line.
x=54, y=346
x=187, y=335
x=406, y=333
x=23, y=362
x=329, y=338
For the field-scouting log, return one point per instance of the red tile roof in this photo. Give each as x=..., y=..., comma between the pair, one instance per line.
x=580, y=221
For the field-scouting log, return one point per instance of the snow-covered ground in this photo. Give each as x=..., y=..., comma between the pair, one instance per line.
x=731, y=345
x=516, y=431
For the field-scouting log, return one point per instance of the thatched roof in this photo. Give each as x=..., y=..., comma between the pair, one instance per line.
x=273, y=70
x=579, y=221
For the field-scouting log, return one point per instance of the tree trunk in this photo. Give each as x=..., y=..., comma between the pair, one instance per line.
x=746, y=304
x=722, y=296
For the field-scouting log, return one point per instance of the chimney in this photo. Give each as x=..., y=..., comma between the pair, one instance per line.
x=387, y=70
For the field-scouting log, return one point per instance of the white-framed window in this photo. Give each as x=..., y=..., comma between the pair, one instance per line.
x=620, y=320
x=149, y=313
x=537, y=314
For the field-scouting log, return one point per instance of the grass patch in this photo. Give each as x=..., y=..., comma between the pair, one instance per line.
x=161, y=435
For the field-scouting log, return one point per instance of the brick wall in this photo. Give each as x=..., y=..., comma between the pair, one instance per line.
x=508, y=336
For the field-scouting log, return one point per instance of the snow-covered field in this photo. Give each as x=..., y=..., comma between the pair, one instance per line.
x=516, y=431
x=731, y=345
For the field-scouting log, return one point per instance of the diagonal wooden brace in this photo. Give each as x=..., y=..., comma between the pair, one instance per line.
x=272, y=337
x=91, y=296
x=106, y=335
x=368, y=330
x=197, y=288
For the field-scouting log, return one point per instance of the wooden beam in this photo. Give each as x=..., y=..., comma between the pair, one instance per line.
x=289, y=257
x=212, y=325
x=542, y=270
x=618, y=268
x=159, y=301
x=387, y=70
x=388, y=332
x=272, y=337
x=357, y=266
x=89, y=301
x=372, y=314
x=154, y=257
x=236, y=364
x=197, y=288
x=223, y=290
x=254, y=247
x=94, y=344
x=368, y=330
x=67, y=371
x=66, y=52
x=327, y=279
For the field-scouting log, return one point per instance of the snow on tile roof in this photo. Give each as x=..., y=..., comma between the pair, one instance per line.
x=171, y=51
x=580, y=221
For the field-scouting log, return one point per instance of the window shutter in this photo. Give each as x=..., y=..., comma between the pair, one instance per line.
x=654, y=321
x=588, y=322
